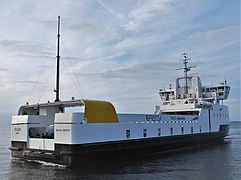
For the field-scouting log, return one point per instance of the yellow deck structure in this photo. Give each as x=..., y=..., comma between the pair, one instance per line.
x=100, y=112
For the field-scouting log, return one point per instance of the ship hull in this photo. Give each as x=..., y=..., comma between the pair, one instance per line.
x=81, y=154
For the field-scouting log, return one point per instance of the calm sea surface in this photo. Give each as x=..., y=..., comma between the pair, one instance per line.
x=221, y=161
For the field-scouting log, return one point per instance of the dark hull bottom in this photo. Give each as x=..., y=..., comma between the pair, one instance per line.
x=119, y=150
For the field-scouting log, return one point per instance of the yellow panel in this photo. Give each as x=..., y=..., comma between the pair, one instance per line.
x=100, y=112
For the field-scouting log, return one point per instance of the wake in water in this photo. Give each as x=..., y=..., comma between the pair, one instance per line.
x=48, y=163
x=44, y=163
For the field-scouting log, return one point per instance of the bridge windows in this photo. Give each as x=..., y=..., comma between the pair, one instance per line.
x=182, y=113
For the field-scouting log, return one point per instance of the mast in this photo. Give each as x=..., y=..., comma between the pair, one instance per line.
x=186, y=69
x=58, y=59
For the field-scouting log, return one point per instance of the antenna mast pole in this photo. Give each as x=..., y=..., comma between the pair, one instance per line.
x=186, y=69
x=58, y=59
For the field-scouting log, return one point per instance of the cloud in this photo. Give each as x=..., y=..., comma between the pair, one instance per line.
x=122, y=51
x=131, y=43
x=14, y=47
x=145, y=12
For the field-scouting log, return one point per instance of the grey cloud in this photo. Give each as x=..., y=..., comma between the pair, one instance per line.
x=14, y=46
x=146, y=70
x=84, y=26
x=3, y=69
x=45, y=23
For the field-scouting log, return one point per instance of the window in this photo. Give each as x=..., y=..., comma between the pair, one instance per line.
x=220, y=88
x=213, y=114
x=128, y=134
x=213, y=89
x=159, y=131
x=144, y=133
x=182, y=129
x=200, y=129
x=191, y=129
x=182, y=112
x=41, y=132
x=171, y=131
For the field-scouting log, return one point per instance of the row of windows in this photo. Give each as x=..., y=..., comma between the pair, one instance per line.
x=182, y=113
x=159, y=133
x=152, y=122
x=220, y=115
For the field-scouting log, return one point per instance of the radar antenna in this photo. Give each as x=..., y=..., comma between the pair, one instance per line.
x=186, y=69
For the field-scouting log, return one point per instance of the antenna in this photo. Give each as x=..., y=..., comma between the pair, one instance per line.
x=58, y=59
x=186, y=69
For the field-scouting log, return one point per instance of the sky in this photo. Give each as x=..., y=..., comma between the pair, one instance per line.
x=118, y=51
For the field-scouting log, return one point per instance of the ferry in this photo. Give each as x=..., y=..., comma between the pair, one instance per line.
x=189, y=115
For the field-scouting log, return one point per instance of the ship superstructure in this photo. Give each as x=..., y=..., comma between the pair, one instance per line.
x=189, y=115
x=191, y=94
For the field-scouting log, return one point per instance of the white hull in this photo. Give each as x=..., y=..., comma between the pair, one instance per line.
x=70, y=129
